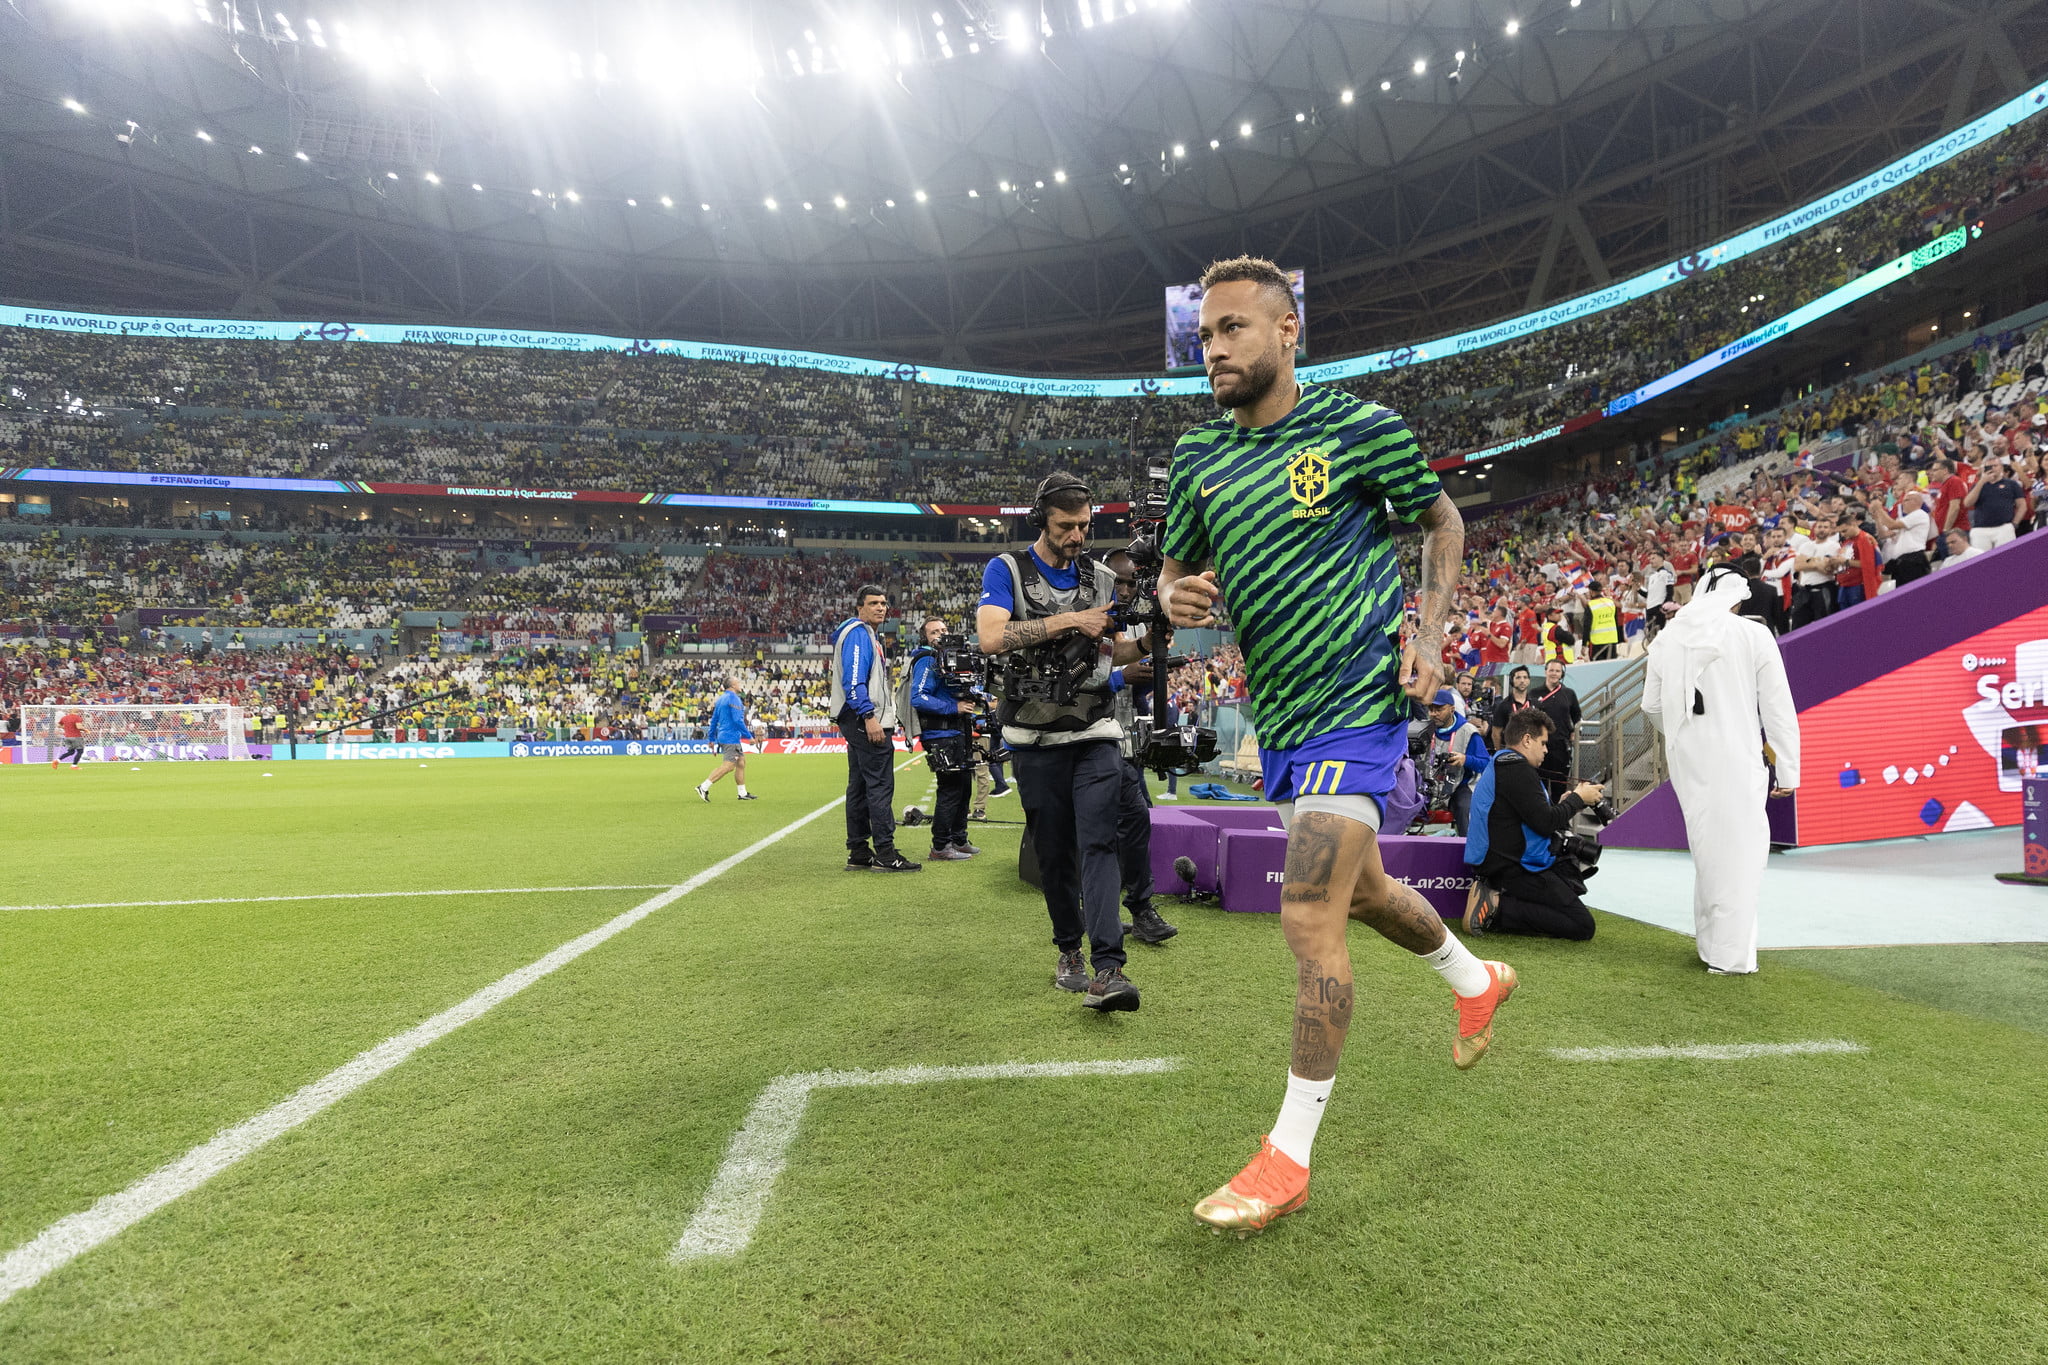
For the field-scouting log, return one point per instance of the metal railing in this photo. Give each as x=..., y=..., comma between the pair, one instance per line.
x=1616, y=741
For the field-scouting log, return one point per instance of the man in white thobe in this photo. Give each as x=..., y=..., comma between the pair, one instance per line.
x=1715, y=680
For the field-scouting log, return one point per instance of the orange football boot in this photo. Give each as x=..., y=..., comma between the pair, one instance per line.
x=1269, y=1188
x=1475, y=1016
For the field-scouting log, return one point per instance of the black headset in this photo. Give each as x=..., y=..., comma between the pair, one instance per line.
x=1052, y=484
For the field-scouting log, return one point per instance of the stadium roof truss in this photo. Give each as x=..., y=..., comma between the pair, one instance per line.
x=1601, y=137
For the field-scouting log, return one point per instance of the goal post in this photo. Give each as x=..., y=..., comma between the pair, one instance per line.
x=129, y=734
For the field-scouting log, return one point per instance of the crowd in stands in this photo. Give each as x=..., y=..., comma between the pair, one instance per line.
x=648, y=421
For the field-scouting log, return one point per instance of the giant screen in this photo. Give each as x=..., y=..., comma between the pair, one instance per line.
x=1183, y=322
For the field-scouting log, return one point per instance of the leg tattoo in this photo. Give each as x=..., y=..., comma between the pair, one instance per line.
x=1322, y=1018
x=1399, y=913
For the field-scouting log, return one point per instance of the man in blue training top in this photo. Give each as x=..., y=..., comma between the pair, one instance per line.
x=948, y=748
x=729, y=731
x=1455, y=744
x=863, y=703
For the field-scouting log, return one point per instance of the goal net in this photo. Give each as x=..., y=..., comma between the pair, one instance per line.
x=131, y=734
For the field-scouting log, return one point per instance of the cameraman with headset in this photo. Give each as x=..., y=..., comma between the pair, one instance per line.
x=1047, y=607
x=943, y=727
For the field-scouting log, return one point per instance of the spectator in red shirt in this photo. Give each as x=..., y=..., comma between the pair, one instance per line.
x=1949, y=490
x=1857, y=581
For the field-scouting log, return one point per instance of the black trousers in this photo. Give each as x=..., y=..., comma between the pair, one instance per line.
x=1539, y=903
x=1134, y=838
x=1910, y=568
x=1073, y=794
x=949, y=816
x=870, y=786
x=1809, y=604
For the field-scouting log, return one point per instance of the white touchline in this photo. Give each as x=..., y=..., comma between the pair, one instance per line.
x=71, y=1237
x=1704, y=1052
x=732, y=1208
x=342, y=896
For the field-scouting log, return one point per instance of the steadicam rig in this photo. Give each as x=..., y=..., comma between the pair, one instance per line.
x=1168, y=750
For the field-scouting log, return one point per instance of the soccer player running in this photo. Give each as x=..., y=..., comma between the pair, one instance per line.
x=729, y=731
x=72, y=726
x=1290, y=499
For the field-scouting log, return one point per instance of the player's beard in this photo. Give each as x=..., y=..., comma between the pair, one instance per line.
x=1254, y=382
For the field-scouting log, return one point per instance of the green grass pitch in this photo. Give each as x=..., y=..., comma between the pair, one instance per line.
x=512, y=1191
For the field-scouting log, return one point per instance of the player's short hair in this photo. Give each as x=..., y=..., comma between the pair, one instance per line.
x=1530, y=720
x=1256, y=269
x=866, y=590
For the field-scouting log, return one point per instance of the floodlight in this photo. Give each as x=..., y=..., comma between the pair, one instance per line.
x=1514, y=27
x=1243, y=130
x=572, y=196
x=1344, y=96
x=667, y=202
x=478, y=188
x=922, y=196
x=1421, y=65
x=770, y=202
x=254, y=150
x=838, y=201
x=938, y=19
x=391, y=175
x=74, y=106
x=1003, y=185
x=1214, y=144
x=889, y=203
x=302, y=156
x=1038, y=184
x=203, y=135
x=1460, y=55
x=1300, y=117
x=807, y=206
x=1019, y=30
x=705, y=207
x=537, y=194
x=1059, y=176
x=1123, y=168
x=632, y=203
x=1179, y=149
x=1386, y=85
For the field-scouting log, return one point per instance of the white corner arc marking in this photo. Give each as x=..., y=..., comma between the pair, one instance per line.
x=72, y=1236
x=1705, y=1052
x=724, y=1223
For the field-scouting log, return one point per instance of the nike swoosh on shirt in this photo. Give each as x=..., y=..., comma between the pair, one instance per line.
x=1207, y=491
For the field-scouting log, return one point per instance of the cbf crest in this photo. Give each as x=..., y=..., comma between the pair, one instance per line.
x=1308, y=481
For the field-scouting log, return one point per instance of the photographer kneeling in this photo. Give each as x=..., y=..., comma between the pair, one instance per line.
x=1523, y=882
x=942, y=727
x=1048, y=608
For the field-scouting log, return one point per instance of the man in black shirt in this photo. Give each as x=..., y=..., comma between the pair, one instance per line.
x=1994, y=503
x=1561, y=704
x=1518, y=886
x=1516, y=699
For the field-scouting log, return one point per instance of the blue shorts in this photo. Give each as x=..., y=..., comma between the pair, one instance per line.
x=1360, y=761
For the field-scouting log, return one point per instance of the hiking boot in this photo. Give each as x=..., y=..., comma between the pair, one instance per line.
x=1072, y=972
x=1111, y=990
x=1147, y=926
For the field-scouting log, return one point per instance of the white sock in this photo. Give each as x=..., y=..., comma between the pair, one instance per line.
x=743, y=789
x=1454, y=963
x=704, y=786
x=1294, y=1132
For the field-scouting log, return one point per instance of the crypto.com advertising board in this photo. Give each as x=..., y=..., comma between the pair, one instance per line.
x=1942, y=743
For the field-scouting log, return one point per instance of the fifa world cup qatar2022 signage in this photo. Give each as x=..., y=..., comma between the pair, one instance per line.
x=1945, y=742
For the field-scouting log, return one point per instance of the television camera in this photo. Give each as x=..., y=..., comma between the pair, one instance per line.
x=1168, y=750
x=970, y=676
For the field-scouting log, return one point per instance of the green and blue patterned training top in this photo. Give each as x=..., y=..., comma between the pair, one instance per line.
x=1293, y=517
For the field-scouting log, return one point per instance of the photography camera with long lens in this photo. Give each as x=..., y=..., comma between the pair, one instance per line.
x=1168, y=750
x=1579, y=854
x=969, y=675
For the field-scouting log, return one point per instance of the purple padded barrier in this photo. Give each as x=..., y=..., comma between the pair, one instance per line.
x=1869, y=640
x=1251, y=862
x=1191, y=831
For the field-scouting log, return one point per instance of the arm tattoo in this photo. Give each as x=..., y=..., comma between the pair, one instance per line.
x=1018, y=634
x=1322, y=1020
x=1443, y=551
